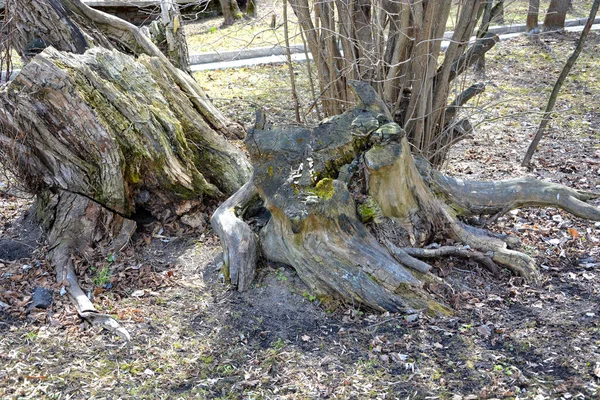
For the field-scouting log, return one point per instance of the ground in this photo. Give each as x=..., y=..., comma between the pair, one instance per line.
x=193, y=337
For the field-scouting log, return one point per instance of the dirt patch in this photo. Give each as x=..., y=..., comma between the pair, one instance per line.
x=194, y=337
x=20, y=237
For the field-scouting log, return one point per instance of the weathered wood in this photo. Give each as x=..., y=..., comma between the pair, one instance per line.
x=118, y=131
x=108, y=133
x=237, y=239
x=314, y=225
x=301, y=175
x=474, y=198
x=176, y=46
x=55, y=21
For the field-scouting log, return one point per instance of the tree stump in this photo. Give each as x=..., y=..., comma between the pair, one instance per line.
x=321, y=185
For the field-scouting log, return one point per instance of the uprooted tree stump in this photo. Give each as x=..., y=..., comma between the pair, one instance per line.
x=100, y=125
x=318, y=187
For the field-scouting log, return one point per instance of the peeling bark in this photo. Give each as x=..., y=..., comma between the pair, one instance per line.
x=103, y=121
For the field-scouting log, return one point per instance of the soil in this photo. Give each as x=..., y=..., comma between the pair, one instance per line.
x=195, y=337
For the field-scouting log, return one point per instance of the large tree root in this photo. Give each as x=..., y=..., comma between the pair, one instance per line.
x=399, y=189
x=237, y=239
x=78, y=222
x=336, y=256
x=474, y=198
x=315, y=226
x=449, y=251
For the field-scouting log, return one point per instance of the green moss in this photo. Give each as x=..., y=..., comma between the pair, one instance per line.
x=434, y=308
x=369, y=211
x=134, y=177
x=324, y=189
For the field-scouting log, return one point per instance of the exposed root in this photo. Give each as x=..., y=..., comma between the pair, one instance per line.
x=474, y=198
x=446, y=251
x=77, y=222
x=237, y=239
x=65, y=273
x=496, y=249
x=406, y=258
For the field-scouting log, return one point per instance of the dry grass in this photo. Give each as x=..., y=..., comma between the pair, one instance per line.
x=194, y=338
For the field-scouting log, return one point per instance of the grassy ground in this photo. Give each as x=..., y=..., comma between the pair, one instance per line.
x=207, y=35
x=195, y=338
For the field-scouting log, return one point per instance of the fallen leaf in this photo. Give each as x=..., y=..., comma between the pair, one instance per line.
x=573, y=232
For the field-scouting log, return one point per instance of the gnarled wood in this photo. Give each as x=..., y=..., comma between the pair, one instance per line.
x=108, y=133
x=72, y=26
x=116, y=129
x=473, y=198
x=302, y=176
x=237, y=239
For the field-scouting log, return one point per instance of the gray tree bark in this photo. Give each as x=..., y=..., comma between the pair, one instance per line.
x=532, y=15
x=99, y=134
x=349, y=208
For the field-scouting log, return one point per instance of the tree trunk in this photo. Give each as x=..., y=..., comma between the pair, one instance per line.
x=101, y=135
x=532, y=15
x=498, y=12
x=349, y=208
x=251, y=9
x=176, y=46
x=231, y=12
x=556, y=15
x=416, y=86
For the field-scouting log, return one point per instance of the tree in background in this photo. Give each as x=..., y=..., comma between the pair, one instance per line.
x=556, y=15
x=231, y=12
x=532, y=15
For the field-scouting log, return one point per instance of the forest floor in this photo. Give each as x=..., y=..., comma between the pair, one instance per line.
x=194, y=337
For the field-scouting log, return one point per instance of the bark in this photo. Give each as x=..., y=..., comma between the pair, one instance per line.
x=102, y=134
x=365, y=244
x=251, y=9
x=176, y=46
x=498, y=12
x=115, y=129
x=289, y=62
x=237, y=239
x=231, y=12
x=65, y=236
x=556, y=15
x=70, y=25
x=532, y=15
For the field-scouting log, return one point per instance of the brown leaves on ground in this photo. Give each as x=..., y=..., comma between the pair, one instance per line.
x=195, y=338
